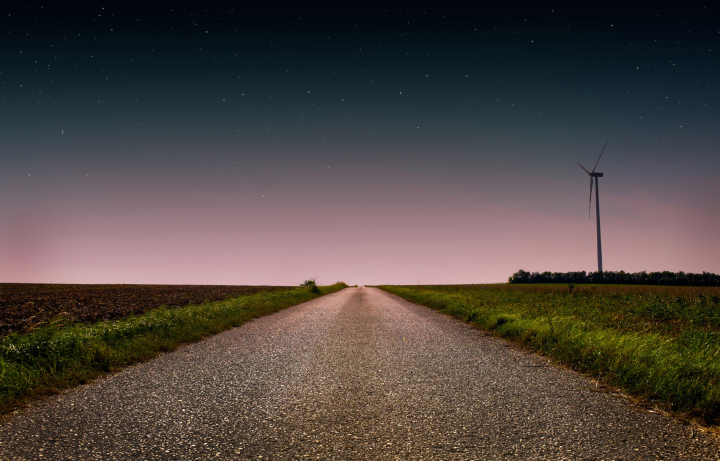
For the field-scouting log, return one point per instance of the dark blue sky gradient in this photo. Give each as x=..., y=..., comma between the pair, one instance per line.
x=441, y=142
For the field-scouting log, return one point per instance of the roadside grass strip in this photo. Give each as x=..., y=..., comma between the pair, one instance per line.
x=63, y=354
x=669, y=361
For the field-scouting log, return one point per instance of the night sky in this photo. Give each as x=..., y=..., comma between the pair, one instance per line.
x=222, y=144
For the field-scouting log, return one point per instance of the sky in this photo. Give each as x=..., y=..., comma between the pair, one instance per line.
x=223, y=143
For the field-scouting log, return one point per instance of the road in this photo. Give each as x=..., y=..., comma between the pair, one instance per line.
x=359, y=374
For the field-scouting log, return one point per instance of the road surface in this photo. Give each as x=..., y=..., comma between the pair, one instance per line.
x=359, y=374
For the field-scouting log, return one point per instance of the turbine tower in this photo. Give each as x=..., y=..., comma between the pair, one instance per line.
x=595, y=175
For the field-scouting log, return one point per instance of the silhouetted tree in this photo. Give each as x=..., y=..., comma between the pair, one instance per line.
x=706, y=279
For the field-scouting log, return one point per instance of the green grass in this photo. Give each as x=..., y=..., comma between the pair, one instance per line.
x=62, y=354
x=662, y=343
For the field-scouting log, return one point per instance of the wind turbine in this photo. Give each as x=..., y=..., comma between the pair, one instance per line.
x=595, y=175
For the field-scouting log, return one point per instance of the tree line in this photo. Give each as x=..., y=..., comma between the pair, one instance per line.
x=706, y=279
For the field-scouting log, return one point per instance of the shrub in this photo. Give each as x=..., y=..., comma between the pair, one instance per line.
x=311, y=286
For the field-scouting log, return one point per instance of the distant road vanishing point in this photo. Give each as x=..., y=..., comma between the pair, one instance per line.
x=359, y=374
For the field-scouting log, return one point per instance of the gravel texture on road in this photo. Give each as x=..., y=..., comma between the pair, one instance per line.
x=359, y=374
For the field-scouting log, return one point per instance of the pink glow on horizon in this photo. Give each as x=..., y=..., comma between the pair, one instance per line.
x=450, y=241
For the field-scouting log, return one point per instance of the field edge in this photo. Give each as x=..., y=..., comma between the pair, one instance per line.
x=60, y=356
x=546, y=339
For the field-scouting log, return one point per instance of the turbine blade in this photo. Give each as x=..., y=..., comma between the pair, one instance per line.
x=598, y=160
x=590, y=202
x=586, y=171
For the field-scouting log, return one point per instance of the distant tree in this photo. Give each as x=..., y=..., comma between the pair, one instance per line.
x=520, y=276
x=706, y=279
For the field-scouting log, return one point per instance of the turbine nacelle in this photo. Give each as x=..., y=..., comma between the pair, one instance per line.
x=592, y=174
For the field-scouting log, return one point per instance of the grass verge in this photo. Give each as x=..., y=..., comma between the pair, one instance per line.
x=63, y=354
x=664, y=347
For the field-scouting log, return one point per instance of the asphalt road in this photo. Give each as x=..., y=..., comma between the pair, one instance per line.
x=359, y=374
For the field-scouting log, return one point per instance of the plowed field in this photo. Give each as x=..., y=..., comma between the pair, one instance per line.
x=26, y=305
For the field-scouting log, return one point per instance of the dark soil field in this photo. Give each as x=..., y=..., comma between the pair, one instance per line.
x=26, y=305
